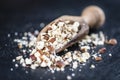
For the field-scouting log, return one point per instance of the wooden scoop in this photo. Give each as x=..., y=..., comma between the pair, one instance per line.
x=92, y=17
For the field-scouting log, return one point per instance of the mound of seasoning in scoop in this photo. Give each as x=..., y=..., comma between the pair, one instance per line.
x=42, y=53
x=58, y=34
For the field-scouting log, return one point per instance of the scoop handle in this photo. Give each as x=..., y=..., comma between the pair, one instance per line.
x=93, y=16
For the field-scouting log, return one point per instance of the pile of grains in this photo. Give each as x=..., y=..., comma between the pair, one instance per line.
x=57, y=35
x=42, y=53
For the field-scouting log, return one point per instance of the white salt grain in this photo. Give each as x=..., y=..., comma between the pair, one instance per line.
x=69, y=77
x=11, y=69
x=92, y=66
x=16, y=33
x=13, y=60
x=21, y=60
x=73, y=74
x=24, y=51
x=25, y=33
x=110, y=54
x=8, y=35
x=16, y=65
x=52, y=71
x=23, y=64
x=42, y=25
x=57, y=69
x=26, y=72
x=79, y=70
x=36, y=32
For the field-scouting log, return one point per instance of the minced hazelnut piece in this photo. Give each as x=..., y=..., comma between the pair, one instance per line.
x=112, y=42
x=98, y=58
x=46, y=53
x=20, y=45
x=28, y=61
x=40, y=45
x=46, y=37
x=52, y=40
x=40, y=51
x=50, y=48
x=43, y=64
x=19, y=57
x=49, y=28
x=82, y=49
x=33, y=57
x=60, y=64
x=102, y=50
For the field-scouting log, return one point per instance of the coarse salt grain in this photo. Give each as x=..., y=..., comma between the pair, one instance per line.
x=8, y=35
x=23, y=64
x=16, y=65
x=52, y=71
x=92, y=66
x=13, y=60
x=79, y=70
x=22, y=61
x=16, y=33
x=36, y=32
x=69, y=77
x=110, y=54
x=26, y=72
x=42, y=25
x=25, y=33
x=11, y=69
x=73, y=74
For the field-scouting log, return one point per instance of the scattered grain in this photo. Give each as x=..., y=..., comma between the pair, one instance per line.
x=112, y=42
x=102, y=50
